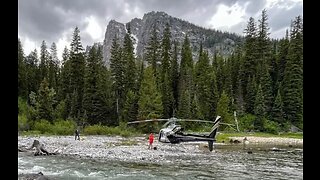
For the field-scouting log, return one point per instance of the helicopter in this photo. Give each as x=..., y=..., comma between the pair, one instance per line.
x=174, y=133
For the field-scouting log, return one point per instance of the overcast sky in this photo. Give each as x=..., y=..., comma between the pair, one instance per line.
x=55, y=20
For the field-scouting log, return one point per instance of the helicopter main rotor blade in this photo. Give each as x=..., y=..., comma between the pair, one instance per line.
x=147, y=120
x=194, y=120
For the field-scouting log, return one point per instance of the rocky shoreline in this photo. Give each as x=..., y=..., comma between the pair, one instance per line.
x=271, y=140
x=135, y=149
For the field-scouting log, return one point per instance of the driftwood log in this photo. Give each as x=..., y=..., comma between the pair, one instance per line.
x=38, y=176
x=40, y=150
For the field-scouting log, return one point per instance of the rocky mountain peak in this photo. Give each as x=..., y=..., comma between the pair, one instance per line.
x=213, y=40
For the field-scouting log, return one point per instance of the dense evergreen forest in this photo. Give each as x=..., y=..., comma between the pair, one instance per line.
x=262, y=81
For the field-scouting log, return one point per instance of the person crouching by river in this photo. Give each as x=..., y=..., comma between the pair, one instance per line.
x=77, y=135
x=151, y=137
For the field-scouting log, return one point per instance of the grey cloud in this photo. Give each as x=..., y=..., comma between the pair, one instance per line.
x=238, y=28
x=255, y=7
x=197, y=12
x=280, y=18
x=48, y=20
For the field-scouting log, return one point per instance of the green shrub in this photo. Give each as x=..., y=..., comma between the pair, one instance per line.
x=285, y=127
x=246, y=123
x=22, y=122
x=22, y=106
x=98, y=129
x=270, y=126
x=95, y=130
x=63, y=127
x=60, y=110
x=28, y=133
x=125, y=133
x=32, y=114
x=43, y=126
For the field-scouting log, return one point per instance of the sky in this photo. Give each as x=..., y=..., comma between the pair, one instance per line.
x=55, y=20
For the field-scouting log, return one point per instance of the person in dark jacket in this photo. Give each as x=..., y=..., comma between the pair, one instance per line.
x=77, y=135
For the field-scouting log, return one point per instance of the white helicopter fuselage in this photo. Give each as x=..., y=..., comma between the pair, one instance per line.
x=165, y=132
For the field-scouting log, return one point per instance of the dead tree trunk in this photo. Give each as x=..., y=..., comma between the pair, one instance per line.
x=40, y=150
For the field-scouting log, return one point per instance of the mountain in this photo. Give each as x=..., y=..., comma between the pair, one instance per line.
x=213, y=40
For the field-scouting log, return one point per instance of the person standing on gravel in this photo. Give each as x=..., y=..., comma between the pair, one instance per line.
x=151, y=137
x=77, y=134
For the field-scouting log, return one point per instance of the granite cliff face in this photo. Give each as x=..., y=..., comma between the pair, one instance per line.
x=213, y=40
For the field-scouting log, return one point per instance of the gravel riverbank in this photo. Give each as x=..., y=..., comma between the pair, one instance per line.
x=134, y=149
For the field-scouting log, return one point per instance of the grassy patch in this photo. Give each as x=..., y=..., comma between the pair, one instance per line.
x=30, y=133
x=224, y=136
x=111, y=131
x=59, y=127
x=292, y=135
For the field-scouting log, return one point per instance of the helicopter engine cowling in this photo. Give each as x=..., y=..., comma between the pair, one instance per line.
x=173, y=139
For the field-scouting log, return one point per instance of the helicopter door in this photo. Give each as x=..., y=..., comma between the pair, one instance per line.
x=162, y=137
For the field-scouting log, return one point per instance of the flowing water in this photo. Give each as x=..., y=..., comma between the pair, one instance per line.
x=224, y=162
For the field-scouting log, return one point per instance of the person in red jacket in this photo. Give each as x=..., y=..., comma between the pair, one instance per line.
x=151, y=137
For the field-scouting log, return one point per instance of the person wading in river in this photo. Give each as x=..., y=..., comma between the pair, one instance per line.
x=151, y=137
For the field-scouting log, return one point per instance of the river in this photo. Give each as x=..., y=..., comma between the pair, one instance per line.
x=225, y=162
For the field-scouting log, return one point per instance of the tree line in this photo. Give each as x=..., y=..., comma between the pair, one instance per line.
x=261, y=81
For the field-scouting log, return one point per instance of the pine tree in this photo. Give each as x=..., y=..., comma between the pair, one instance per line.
x=250, y=55
x=45, y=101
x=273, y=69
x=259, y=109
x=203, y=89
x=185, y=80
x=93, y=104
x=227, y=71
x=74, y=106
x=22, y=72
x=263, y=42
x=53, y=67
x=32, y=69
x=277, y=114
x=266, y=84
x=213, y=96
x=195, y=108
x=153, y=52
x=166, y=88
x=129, y=62
x=175, y=77
x=251, y=95
x=293, y=77
x=219, y=69
x=108, y=96
x=65, y=76
x=150, y=103
x=44, y=58
x=235, y=66
x=184, y=108
x=282, y=56
x=130, y=111
x=117, y=68
x=239, y=93
x=77, y=67
x=223, y=109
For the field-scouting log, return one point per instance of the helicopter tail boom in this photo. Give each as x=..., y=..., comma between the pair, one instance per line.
x=214, y=128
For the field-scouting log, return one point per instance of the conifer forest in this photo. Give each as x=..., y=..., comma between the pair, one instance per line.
x=261, y=81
